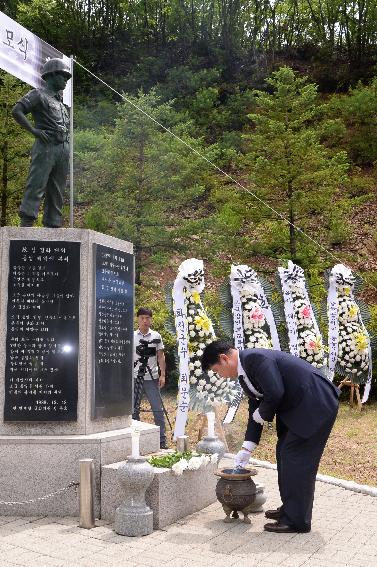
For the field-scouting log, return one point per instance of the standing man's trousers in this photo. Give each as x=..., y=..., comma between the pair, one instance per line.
x=297, y=463
x=151, y=390
x=47, y=178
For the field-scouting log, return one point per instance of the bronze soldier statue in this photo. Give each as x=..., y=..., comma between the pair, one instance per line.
x=50, y=153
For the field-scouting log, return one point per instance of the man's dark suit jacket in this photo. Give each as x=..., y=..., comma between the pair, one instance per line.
x=300, y=396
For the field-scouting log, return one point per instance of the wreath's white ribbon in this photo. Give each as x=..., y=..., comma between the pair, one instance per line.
x=369, y=381
x=238, y=342
x=180, y=287
x=289, y=309
x=269, y=317
x=237, y=314
x=332, y=315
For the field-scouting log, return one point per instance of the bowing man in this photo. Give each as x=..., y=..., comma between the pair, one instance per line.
x=305, y=404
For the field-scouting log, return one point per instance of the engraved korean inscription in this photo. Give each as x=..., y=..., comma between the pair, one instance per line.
x=113, y=352
x=42, y=342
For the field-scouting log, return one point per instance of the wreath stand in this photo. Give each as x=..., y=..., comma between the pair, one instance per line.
x=355, y=391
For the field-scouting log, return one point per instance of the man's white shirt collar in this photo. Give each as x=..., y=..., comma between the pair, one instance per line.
x=142, y=334
x=241, y=372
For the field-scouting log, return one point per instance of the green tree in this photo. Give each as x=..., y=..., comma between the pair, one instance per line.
x=147, y=183
x=358, y=110
x=9, y=7
x=289, y=168
x=14, y=149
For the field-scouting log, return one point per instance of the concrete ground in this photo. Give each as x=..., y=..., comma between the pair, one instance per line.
x=344, y=534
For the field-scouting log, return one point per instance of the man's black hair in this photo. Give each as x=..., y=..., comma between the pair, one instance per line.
x=212, y=352
x=144, y=311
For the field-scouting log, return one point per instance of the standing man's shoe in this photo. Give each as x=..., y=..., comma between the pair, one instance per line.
x=272, y=514
x=163, y=445
x=279, y=528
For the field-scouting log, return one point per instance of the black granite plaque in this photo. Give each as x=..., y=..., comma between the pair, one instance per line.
x=113, y=332
x=41, y=371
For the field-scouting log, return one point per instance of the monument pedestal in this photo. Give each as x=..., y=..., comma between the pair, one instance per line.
x=33, y=466
x=66, y=362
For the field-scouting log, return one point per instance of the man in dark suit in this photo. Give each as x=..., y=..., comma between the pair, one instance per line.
x=305, y=404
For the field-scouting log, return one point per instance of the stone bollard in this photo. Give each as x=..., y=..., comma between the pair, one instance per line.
x=87, y=489
x=211, y=445
x=134, y=517
x=183, y=443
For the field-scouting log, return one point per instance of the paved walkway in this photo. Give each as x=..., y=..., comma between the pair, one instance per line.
x=344, y=534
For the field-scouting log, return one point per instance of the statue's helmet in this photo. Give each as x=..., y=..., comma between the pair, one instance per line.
x=55, y=65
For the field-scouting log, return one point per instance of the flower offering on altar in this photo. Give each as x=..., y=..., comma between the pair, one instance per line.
x=180, y=462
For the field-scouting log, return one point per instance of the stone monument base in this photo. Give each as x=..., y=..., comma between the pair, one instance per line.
x=33, y=466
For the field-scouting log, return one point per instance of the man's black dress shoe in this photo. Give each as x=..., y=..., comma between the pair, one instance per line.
x=163, y=445
x=284, y=529
x=272, y=514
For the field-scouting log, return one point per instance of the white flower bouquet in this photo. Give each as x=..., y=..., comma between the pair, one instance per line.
x=180, y=462
x=195, y=463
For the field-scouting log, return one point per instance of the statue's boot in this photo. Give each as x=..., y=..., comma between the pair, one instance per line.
x=26, y=220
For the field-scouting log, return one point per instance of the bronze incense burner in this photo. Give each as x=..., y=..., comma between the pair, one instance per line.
x=237, y=492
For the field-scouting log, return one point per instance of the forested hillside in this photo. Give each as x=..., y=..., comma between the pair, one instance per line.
x=281, y=96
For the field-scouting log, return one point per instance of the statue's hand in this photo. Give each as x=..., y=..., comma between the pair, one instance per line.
x=42, y=136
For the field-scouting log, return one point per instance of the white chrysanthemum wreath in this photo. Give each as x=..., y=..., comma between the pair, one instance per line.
x=194, y=331
x=349, y=341
x=305, y=338
x=258, y=324
x=253, y=322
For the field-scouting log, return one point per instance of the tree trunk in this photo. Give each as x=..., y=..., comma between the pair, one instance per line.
x=139, y=216
x=292, y=231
